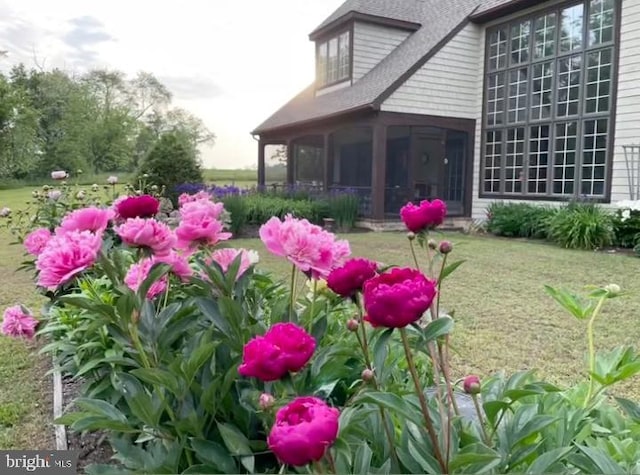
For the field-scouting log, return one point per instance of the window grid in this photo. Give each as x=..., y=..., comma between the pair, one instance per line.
x=493, y=157
x=538, y=159
x=333, y=60
x=594, y=156
x=564, y=122
x=520, y=43
x=601, y=21
x=545, y=36
x=513, y=174
x=344, y=60
x=495, y=99
x=498, y=50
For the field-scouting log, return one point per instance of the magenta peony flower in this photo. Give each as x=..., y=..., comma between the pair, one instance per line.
x=309, y=247
x=137, y=274
x=65, y=256
x=179, y=264
x=200, y=224
x=35, y=241
x=18, y=322
x=91, y=219
x=398, y=298
x=304, y=430
x=471, y=384
x=348, y=279
x=147, y=234
x=187, y=198
x=285, y=347
x=225, y=257
x=426, y=216
x=144, y=206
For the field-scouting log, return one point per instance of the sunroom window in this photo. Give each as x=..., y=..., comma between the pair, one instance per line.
x=333, y=60
x=548, y=102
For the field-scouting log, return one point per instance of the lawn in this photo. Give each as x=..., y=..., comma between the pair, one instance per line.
x=504, y=319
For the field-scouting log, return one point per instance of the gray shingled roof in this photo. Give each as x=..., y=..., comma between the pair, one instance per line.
x=493, y=4
x=438, y=18
x=405, y=10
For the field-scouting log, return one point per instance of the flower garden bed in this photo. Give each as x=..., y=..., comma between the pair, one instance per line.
x=198, y=362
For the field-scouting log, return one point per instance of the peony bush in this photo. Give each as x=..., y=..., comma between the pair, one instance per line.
x=195, y=361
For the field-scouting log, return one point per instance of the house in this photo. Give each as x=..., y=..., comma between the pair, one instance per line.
x=470, y=101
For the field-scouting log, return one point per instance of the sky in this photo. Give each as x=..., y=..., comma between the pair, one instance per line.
x=231, y=63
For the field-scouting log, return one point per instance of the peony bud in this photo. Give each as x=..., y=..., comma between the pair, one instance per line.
x=353, y=325
x=5, y=212
x=266, y=401
x=432, y=244
x=411, y=235
x=368, y=375
x=445, y=247
x=471, y=384
x=613, y=289
x=95, y=187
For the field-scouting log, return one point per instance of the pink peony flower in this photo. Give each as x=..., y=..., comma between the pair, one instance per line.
x=18, y=322
x=225, y=257
x=138, y=273
x=309, y=247
x=59, y=175
x=187, y=198
x=304, y=430
x=398, y=298
x=471, y=384
x=426, y=216
x=36, y=240
x=112, y=180
x=179, y=264
x=349, y=279
x=54, y=195
x=91, y=219
x=285, y=347
x=144, y=206
x=199, y=224
x=65, y=256
x=5, y=212
x=147, y=234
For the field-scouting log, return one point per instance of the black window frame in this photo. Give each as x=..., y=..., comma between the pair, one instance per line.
x=582, y=117
x=322, y=75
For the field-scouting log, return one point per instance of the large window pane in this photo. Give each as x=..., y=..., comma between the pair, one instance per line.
x=538, y=159
x=517, y=107
x=520, y=42
x=322, y=64
x=598, y=82
x=345, y=60
x=594, y=156
x=545, y=36
x=495, y=99
x=601, y=15
x=492, y=161
x=498, y=49
x=564, y=163
x=541, y=90
x=514, y=160
x=571, y=28
x=569, y=73
x=332, y=65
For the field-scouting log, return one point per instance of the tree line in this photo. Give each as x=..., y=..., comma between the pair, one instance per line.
x=97, y=122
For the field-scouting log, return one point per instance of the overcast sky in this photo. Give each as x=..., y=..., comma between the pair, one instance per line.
x=232, y=63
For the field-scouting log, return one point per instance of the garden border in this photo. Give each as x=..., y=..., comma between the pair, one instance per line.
x=59, y=429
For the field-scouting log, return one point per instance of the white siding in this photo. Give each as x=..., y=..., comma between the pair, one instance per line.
x=371, y=44
x=447, y=84
x=627, y=129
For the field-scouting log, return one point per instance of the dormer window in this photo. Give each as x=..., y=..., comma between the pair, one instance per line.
x=333, y=60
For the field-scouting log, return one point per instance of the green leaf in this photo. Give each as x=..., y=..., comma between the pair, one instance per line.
x=159, y=377
x=362, y=460
x=214, y=454
x=493, y=408
x=201, y=469
x=237, y=444
x=105, y=469
x=570, y=302
x=475, y=454
x=602, y=460
x=390, y=401
x=535, y=425
x=630, y=408
x=449, y=269
x=437, y=328
x=199, y=357
x=381, y=350
x=211, y=310
x=102, y=408
x=544, y=462
x=158, y=270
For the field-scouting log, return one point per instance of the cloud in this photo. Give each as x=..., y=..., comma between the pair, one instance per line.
x=188, y=87
x=86, y=33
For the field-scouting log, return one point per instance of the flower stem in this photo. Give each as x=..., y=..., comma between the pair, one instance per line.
x=423, y=402
x=332, y=462
x=413, y=253
x=487, y=440
x=592, y=350
x=313, y=304
x=292, y=302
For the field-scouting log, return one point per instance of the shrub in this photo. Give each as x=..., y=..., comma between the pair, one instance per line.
x=519, y=219
x=172, y=162
x=344, y=207
x=582, y=226
x=626, y=224
x=237, y=207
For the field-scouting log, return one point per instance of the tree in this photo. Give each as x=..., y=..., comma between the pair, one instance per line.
x=173, y=161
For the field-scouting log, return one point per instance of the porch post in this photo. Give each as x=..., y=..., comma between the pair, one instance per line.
x=290, y=162
x=378, y=171
x=261, y=164
x=326, y=161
